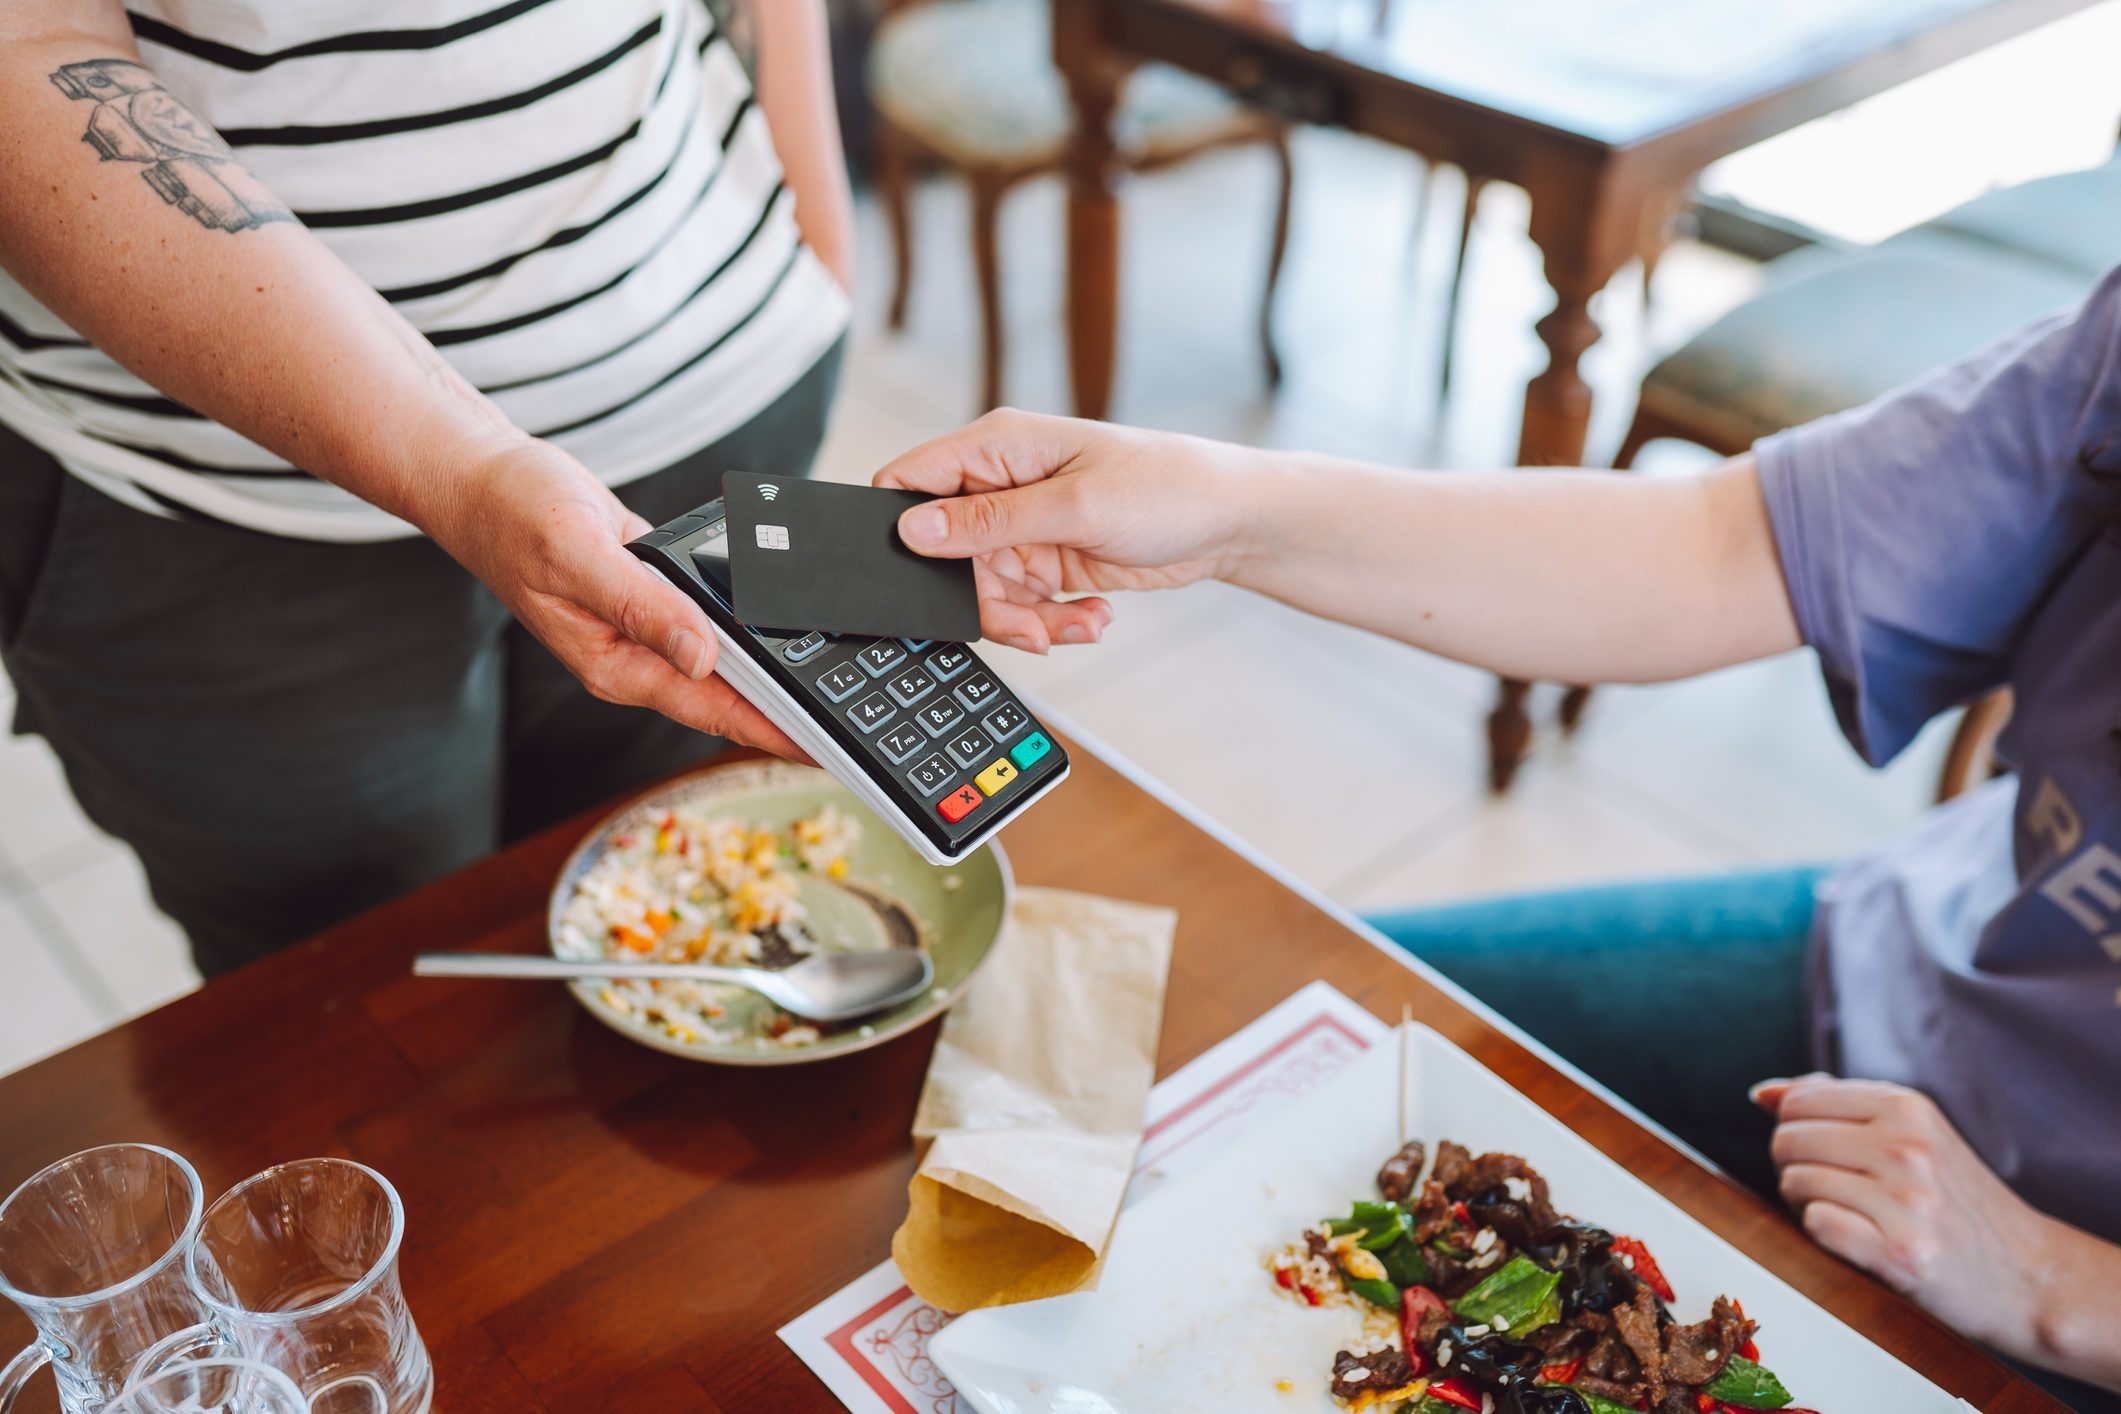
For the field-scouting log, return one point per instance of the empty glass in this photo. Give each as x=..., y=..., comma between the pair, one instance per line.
x=212, y=1387
x=91, y=1249
x=298, y=1269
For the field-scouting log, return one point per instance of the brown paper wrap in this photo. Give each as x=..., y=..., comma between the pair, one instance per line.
x=1033, y=1108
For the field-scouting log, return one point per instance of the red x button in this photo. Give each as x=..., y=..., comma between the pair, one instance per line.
x=960, y=803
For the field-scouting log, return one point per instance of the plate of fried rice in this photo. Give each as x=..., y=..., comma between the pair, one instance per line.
x=761, y=864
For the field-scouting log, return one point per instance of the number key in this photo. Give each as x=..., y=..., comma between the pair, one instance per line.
x=871, y=712
x=901, y=741
x=911, y=686
x=840, y=683
x=880, y=657
x=949, y=660
x=940, y=716
x=977, y=691
x=971, y=746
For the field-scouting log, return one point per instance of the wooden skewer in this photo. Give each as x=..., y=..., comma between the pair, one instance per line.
x=1406, y=1072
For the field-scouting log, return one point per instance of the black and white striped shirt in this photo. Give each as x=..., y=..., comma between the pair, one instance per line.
x=576, y=201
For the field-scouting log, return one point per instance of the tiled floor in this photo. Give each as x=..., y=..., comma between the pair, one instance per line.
x=1353, y=760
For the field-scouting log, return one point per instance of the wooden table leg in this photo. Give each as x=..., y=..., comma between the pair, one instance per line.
x=1093, y=73
x=1586, y=231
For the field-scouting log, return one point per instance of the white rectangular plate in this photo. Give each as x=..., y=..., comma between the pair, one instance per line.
x=1186, y=1316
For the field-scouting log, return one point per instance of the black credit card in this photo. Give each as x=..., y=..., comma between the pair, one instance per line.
x=821, y=555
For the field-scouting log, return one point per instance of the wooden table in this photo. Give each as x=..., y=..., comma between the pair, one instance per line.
x=1604, y=111
x=594, y=1226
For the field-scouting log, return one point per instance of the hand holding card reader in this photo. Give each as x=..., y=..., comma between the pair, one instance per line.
x=922, y=733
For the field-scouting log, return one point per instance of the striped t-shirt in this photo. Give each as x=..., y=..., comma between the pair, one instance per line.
x=576, y=201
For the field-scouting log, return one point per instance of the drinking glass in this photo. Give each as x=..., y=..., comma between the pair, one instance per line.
x=298, y=1269
x=91, y=1249
x=212, y=1387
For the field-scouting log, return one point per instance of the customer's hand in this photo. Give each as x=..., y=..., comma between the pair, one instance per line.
x=1879, y=1177
x=1054, y=505
x=549, y=539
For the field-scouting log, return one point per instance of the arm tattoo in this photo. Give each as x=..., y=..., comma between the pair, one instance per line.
x=136, y=119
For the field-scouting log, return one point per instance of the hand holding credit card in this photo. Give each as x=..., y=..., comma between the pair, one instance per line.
x=820, y=555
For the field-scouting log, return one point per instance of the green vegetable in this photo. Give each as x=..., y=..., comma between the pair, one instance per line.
x=1520, y=1294
x=1430, y=1404
x=1404, y=1263
x=1455, y=1253
x=1375, y=1290
x=1743, y=1382
x=1382, y=1224
x=1599, y=1403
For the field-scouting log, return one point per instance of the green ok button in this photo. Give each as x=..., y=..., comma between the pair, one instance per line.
x=1032, y=748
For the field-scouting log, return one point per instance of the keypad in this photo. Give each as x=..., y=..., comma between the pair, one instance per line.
x=1007, y=720
x=940, y=716
x=960, y=803
x=881, y=657
x=901, y=741
x=871, y=712
x=804, y=648
x=932, y=774
x=841, y=683
x=970, y=747
x=911, y=686
x=977, y=691
x=949, y=660
x=996, y=776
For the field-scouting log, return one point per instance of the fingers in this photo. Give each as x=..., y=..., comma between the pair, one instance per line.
x=1843, y=1143
x=1820, y=1096
x=1848, y=1233
x=959, y=527
x=1769, y=1094
x=1004, y=448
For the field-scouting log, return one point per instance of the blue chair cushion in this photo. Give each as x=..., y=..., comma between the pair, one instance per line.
x=1835, y=329
x=2073, y=220
x=974, y=80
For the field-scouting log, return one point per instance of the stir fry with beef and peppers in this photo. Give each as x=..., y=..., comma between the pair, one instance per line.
x=1479, y=1296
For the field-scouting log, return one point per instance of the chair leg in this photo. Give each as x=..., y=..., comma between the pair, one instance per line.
x=1640, y=434
x=1275, y=253
x=891, y=164
x=1474, y=186
x=987, y=191
x=1509, y=733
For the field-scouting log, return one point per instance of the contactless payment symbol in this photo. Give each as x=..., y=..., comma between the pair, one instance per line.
x=769, y=492
x=772, y=537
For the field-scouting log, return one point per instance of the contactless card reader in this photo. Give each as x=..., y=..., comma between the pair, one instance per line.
x=922, y=733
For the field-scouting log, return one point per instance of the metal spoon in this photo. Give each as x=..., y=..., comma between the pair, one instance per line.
x=822, y=987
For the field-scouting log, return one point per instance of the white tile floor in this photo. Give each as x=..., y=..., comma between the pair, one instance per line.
x=1353, y=760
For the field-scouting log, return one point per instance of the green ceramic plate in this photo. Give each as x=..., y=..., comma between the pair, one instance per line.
x=957, y=910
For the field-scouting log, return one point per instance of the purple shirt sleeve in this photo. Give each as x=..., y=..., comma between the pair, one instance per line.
x=1918, y=532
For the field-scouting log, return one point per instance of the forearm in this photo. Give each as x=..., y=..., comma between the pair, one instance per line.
x=1560, y=576
x=251, y=320
x=795, y=93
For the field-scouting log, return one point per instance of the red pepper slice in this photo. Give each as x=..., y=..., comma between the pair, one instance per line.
x=1413, y=1303
x=1458, y=1211
x=1749, y=1350
x=1644, y=1265
x=1705, y=1403
x=1455, y=1391
x=1287, y=1277
x=1562, y=1374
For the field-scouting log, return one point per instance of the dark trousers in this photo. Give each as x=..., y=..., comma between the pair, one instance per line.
x=289, y=732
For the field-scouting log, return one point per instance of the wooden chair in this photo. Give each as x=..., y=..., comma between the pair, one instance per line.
x=1971, y=758
x=971, y=85
x=1835, y=328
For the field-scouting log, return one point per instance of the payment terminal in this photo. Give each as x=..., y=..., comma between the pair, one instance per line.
x=922, y=733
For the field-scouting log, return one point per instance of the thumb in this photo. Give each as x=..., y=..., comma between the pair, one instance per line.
x=647, y=608
x=959, y=527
